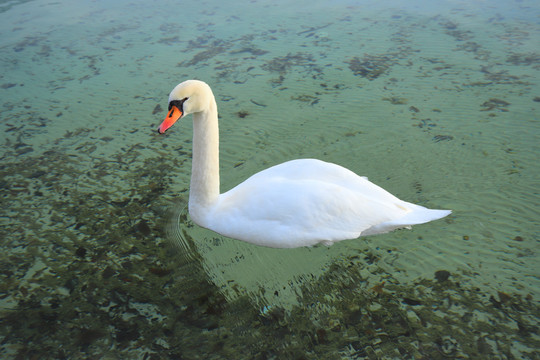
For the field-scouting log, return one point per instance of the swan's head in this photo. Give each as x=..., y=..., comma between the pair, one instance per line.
x=190, y=96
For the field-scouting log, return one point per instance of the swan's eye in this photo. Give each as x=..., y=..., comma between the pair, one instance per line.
x=178, y=103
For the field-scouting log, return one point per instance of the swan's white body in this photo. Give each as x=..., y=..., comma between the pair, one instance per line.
x=298, y=203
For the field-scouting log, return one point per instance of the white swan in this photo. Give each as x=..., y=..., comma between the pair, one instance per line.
x=298, y=203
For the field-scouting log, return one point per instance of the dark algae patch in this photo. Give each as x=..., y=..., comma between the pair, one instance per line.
x=527, y=59
x=370, y=66
x=282, y=64
x=495, y=104
x=7, y=85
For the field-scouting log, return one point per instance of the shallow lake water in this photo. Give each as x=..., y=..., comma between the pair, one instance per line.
x=436, y=102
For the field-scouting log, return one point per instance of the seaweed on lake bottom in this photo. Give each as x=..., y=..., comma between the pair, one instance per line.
x=370, y=66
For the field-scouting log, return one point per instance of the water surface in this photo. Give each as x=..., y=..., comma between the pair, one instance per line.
x=436, y=102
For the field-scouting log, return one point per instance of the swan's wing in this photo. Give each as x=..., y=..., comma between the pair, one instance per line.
x=324, y=172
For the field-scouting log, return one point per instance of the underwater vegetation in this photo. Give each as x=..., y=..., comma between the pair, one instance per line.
x=96, y=276
x=282, y=64
x=370, y=66
x=527, y=59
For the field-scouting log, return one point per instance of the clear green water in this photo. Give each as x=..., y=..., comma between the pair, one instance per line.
x=436, y=103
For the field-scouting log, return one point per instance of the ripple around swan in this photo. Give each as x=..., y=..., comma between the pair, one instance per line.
x=266, y=276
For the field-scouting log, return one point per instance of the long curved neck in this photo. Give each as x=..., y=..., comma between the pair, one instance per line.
x=204, y=188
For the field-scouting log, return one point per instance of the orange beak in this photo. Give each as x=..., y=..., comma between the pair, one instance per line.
x=174, y=114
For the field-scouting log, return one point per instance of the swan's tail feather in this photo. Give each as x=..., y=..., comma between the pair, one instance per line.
x=421, y=215
x=418, y=215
